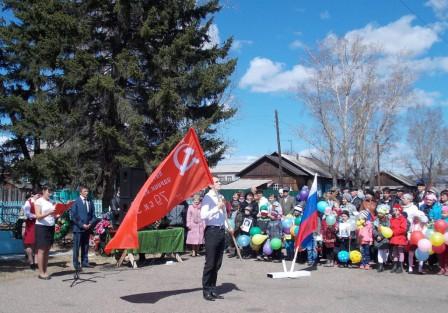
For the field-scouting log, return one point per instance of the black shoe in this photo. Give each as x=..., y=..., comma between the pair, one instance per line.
x=380, y=267
x=208, y=296
x=87, y=266
x=215, y=295
x=399, y=268
x=33, y=267
x=394, y=268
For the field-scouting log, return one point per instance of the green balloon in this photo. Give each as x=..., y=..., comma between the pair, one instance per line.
x=298, y=220
x=276, y=244
x=255, y=231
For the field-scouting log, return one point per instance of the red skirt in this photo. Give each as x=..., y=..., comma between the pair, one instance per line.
x=29, y=236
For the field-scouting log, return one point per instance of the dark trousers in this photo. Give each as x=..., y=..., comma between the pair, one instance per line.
x=80, y=240
x=214, y=250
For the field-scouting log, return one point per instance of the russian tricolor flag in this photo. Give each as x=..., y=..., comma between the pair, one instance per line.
x=309, y=219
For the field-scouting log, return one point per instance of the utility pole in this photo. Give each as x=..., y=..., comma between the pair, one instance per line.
x=430, y=171
x=378, y=164
x=280, y=170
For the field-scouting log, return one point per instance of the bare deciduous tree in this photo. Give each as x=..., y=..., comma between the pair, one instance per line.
x=354, y=102
x=427, y=136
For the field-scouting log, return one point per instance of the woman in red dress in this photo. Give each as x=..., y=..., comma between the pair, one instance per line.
x=28, y=237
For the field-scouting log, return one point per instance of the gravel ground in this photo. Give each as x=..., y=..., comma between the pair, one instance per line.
x=160, y=287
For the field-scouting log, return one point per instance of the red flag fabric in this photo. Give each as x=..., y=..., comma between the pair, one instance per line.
x=184, y=172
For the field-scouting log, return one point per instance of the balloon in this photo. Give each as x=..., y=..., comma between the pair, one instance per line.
x=305, y=187
x=267, y=250
x=258, y=239
x=304, y=195
x=243, y=240
x=440, y=226
x=421, y=255
x=429, y=232
x=416, y=236
x=343, y=256
x=386, y=232
x=437, y=239
x=321, y=206
x=330, y=219
x=254, y=246
x=287, y=223
x=446, y=238
x=439, y=249
x=298, y=220
x=424, y=245
x=276, y=243
x=355, y=256
x=294, y=231
x=255, y=230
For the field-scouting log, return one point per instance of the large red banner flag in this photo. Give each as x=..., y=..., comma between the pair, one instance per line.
x=184, y=172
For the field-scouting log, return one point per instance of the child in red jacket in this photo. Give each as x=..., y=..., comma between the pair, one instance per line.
x=398, y=242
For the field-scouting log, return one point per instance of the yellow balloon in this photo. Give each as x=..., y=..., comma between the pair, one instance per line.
x=355, y=256
x=258, y=239
x=386, y=231
x=437, y=239
x=255, y=247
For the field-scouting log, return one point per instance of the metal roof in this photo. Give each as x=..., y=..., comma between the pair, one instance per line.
x=243, y=183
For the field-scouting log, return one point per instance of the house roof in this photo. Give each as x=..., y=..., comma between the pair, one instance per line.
x=228, y=168
x=243, y=183
x=402, y=179
x=307, y=164
x=274, y=159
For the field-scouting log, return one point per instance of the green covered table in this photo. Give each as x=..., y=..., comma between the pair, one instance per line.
x=157, y=241
x=169, y=240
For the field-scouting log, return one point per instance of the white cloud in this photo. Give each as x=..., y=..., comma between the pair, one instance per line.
x=425, y=98
x=440, y=8
x=325, y=15
x=297, y=44
x=213, y=34
x=265, y=75
x=398, y=37
x=237, y=45
x=429, y=64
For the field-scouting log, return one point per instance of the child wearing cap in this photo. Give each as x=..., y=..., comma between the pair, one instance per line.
x=419, y=221
x=274, y=230
x=380, y=242
x=344, y=234
x=364, y=237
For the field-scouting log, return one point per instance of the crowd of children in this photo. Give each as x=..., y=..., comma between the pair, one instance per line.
x=377, y=226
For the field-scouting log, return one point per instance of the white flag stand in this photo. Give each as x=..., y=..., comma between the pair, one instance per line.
x=291, y=273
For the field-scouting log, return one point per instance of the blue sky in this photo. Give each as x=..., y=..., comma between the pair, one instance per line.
x=269, y=39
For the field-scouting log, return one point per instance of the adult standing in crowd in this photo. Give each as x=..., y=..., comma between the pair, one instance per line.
x=195, y=225
x=213, y=213
x=29, y=236
x=44, y=230
x=83, y=218
x=287, y=202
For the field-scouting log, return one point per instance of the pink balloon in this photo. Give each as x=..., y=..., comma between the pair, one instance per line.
x=424, y=245
x=446, y=238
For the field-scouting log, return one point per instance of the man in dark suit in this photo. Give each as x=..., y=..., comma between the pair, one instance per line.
x=83, y=218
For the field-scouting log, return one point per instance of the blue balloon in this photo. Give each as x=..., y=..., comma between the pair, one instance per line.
x=343, y=256
x=421, y=256
x=287, y=223
x=321, y=206
x=243, y=240
x=330, y=219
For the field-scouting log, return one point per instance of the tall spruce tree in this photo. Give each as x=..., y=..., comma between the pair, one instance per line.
x=136, y=76
x=31, y=50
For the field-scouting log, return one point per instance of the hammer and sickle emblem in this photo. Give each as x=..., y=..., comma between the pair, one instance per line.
x=189, y=159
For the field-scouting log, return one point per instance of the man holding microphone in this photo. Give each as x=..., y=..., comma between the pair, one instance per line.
x=213, y=212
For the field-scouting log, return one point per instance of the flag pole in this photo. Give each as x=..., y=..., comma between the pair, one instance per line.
x=294, y=260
